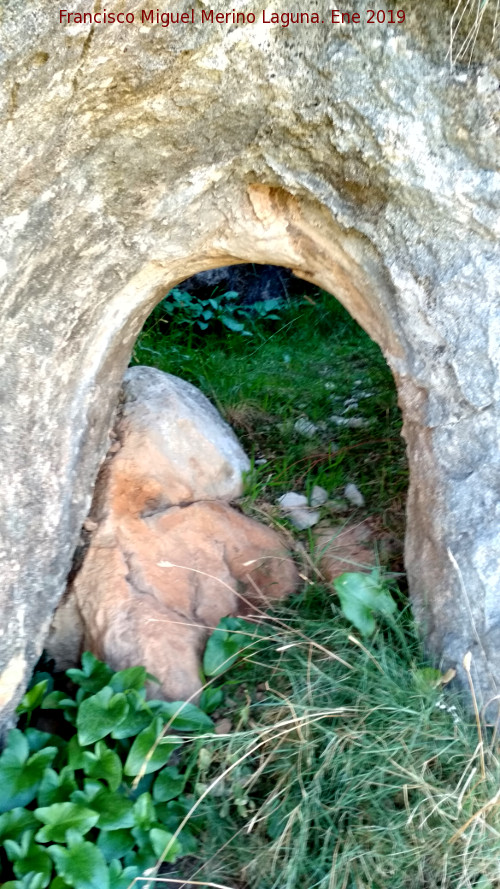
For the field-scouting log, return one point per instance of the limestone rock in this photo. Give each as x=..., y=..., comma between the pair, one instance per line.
x=175, y=446
x=349, y=422
x=134, y=156
x=345, y=548
x=161, y=571
x=305, y=427
x=319, y=496
x=133, y=611
x=348, y=547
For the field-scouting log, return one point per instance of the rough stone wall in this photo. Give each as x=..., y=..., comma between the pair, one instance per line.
x=134, y=156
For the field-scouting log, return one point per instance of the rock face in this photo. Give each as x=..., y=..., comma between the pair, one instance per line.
x=175, y=447
x=167, y=557
x=352, y=547
x=135, y=155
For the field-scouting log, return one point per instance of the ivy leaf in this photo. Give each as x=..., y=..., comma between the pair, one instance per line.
x=99, y=714
x=58, y=883
x=211, y=698
x=29, y=858
x=61, y=817
x=143, y=857
x=38, y=740
x=114, y=843
x=131, y=678
x=161, y=840
x=232, y=324
x=103, y=763
x=114, y=811
x=14, y=823
x=361, y=596
x=144, y=755
x=133, y=724
x=76, y=754
x=144, y=811
x=56, y=787
x=121, y=878
x=58, y=700
x=143, y=785
x=86, y=796
x=20, y=776
x=169, y=784
x=183, y=717
x=223, y=648
x=33, y=697
x=17, y=748
x=175, y=811
x=93, y=676
x=82, y=864
x=30, y=881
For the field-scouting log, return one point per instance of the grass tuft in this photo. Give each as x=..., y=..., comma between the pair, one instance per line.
x=346, y=777
x=469, y=19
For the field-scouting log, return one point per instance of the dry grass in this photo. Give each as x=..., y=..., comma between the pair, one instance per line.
x=469, y=20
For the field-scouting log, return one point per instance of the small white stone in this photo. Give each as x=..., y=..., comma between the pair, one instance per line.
x=318, y=496
x=295, y=507
x=304, y=518
x=291, y=500
x=305, y=427
x=354, y=495
x=350, y=422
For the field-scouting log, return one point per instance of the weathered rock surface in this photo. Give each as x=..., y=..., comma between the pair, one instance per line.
x=134, y=156
x=175, y=446
x=161, y=570
x=352, y=547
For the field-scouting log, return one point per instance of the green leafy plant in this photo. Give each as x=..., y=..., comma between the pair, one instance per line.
x=93, y=809
x=222, y=309
x=362, y=596
x=226, y=645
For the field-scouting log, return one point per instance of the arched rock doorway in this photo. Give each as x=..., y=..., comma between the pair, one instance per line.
x=447, y=558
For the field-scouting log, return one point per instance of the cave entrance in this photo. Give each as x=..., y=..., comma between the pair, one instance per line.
x=310, y=397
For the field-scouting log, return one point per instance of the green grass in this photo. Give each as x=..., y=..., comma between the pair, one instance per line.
x=306, y=365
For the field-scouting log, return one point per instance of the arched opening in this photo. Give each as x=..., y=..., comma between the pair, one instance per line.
x=263, y=225
x=273, y=227
x=336, y=430
x=310, y=377
x=314, y=407
x=308, y=393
